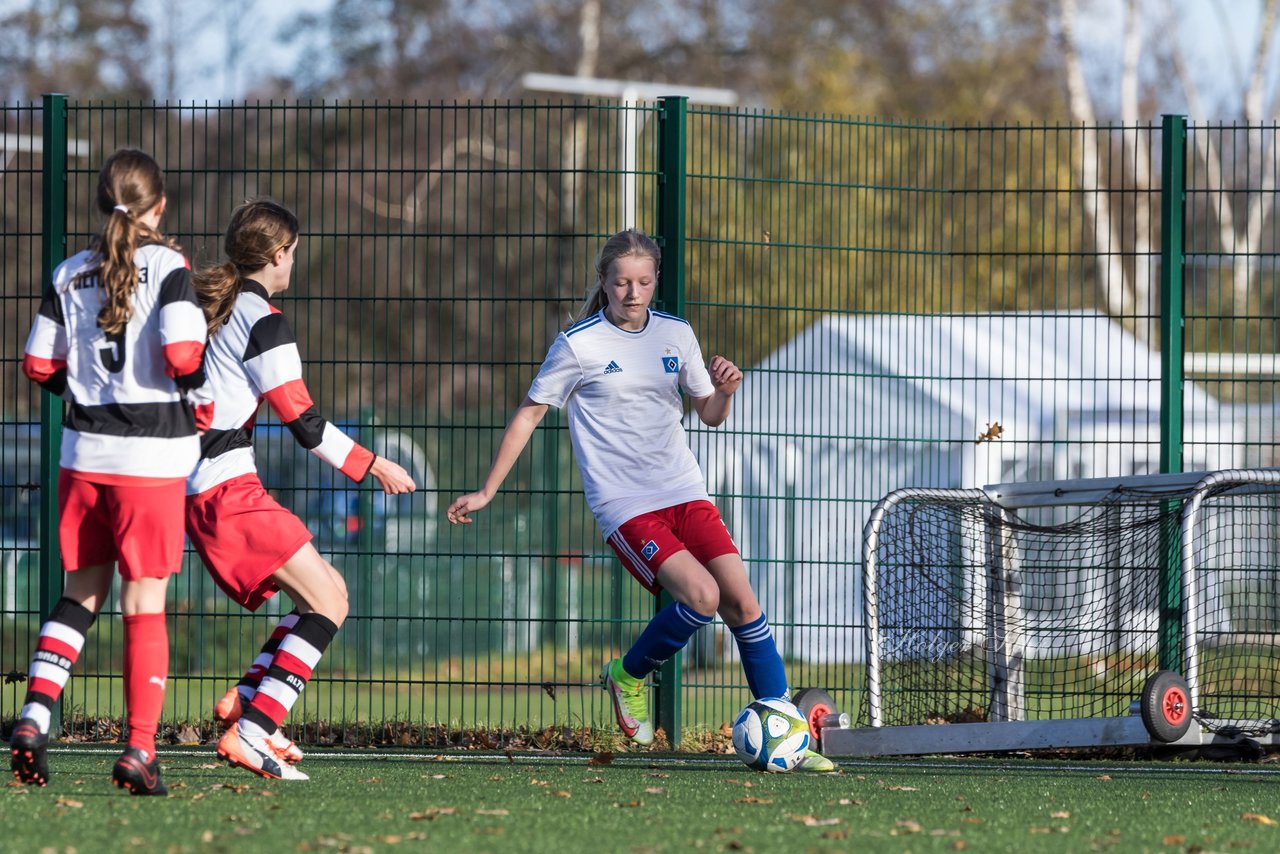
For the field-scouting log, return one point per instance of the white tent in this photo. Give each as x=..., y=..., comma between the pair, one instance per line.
x=857, y=406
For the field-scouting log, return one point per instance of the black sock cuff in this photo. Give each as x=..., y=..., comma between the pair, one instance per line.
x=316, y=629
x=72, y=614
x=254, y=715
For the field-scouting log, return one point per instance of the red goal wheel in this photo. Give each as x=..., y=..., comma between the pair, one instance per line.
x=1166, y=706
x=815, y=704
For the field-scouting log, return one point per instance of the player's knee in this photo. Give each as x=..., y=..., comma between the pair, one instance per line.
x=738, y=612
x=339, y=582
x=336, y=606
x=705, y=598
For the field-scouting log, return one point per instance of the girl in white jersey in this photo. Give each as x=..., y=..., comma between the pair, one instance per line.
x=619, y=372
x=119, y=336
x=251, y=545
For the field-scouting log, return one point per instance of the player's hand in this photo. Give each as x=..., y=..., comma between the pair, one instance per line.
x=394, y=479
x=465, y=504
x=725, y=375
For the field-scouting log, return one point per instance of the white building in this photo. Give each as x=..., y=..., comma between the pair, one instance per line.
x=857, y=406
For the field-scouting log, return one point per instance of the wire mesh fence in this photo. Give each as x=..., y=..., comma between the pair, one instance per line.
x=912, y=304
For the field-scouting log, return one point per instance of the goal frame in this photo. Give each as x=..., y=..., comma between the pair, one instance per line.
x=1006, y=730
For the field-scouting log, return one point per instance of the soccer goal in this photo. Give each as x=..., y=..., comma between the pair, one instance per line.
x=1112, y=611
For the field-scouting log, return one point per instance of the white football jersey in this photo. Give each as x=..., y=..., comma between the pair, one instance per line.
x=127, y=417
x=255, y=356
x=621, y=391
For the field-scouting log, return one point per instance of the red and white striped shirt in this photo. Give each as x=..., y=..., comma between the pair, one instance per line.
x=255, y=356
x=128, y=419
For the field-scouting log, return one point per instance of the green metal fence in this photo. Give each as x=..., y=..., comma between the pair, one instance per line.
x=892, y=291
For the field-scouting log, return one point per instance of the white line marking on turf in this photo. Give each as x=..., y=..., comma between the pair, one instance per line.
x=320, y=753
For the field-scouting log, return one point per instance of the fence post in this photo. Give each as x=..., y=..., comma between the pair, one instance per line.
x=1173, y=181
x=550, y=546
x=673, y=130
x=365, y=546
x=53, y=252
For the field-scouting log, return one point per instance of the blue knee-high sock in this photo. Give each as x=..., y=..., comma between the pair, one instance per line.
x=765, y=674
x=666, y=634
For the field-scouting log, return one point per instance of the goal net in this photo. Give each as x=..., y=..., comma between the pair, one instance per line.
x=1058, y=600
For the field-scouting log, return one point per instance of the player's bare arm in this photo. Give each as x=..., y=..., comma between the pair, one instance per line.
x=525, y=420
x=392, y=477
x=713, y=410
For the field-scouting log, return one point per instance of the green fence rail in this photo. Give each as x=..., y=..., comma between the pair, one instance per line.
x=894, y=293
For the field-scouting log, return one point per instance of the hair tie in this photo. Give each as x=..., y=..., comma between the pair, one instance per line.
x=122, y=209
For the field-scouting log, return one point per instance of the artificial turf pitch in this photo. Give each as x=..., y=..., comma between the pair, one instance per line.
x=364, y=802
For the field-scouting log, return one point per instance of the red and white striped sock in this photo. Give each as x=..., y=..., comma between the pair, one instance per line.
x=299, y=652
x=248, y=684
x=59, y=645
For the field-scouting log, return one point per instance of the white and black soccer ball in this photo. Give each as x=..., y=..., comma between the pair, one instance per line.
x=770, y=735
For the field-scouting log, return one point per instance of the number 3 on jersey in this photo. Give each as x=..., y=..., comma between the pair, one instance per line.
x=112, y=355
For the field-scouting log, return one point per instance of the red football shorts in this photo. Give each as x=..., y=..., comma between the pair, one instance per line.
x=644, y=542
x=138, y=527
x=243, y=536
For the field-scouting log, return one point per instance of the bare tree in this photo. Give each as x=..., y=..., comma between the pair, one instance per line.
x=1125, y=294
x=1240, y=228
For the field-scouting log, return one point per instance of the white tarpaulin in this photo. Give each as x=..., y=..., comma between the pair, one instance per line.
x=857, y=406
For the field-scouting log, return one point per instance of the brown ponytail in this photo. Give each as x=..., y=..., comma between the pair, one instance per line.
x=257, y=231
x=129, y=185
x=633, y=241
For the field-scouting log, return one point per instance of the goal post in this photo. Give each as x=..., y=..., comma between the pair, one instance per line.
x=1053, y=601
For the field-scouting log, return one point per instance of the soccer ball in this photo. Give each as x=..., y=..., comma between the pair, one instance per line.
x=770, y=735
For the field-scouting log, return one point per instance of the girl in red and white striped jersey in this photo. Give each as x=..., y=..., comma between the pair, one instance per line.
x=119, y=336
x=251, y=545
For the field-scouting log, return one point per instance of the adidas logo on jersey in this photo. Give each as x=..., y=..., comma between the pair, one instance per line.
x=613, y=368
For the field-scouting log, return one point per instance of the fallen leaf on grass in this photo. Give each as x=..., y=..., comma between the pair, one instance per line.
x=959, y=845
x=602, y=758
x=537, y=782
x=901, y=789
x=432, y=813
x=751, y=799
x=660, y=775
x=390, y=840
x=835, y=834
x=1258, y=817
x=630, y=804
x=654, y=790
x=849, y=802
x=1103, y=777
x=812, y=821
x=67, y=802
x=1174, y=839
x=908, y=825
x=492, y=812
x=561, y=794
x=207, y=836
x=209, y=766
x=1060, y=814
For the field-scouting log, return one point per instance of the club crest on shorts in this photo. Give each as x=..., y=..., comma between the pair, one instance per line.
x=650, y=549
x=671, y=364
